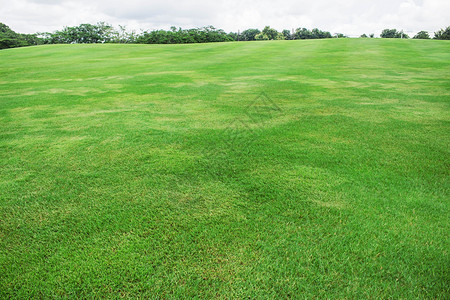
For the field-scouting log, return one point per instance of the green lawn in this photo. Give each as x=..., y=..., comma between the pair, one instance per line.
x=279, y=169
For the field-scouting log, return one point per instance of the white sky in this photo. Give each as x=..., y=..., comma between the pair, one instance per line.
x=351, y=17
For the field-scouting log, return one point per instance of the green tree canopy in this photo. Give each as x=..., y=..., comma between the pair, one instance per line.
x=443, y=34
x=183, y=36
x=393, y=34
x=303, y=34
x=269, y=33
x=249, y=34
x=83, y=34
x=422, y=35
x=11, y=39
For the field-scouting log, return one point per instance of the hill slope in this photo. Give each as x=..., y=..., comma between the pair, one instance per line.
x=225, y=170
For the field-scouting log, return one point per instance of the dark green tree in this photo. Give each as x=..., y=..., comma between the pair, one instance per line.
x=389, y=33
x=319, y=34
x=393, y=34
x=302, y=34
x=443, y=34
x=422, y=35
x=11, y=39
x=287, y=34
x=234, y=36
x=403, y=35
x=249, y=34
x=183, y=36
x=84, y=34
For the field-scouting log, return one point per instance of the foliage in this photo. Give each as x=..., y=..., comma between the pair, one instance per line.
x=11, y=39
x=393, y=34
x=443, y=34
x=122, y=36
x=319, y=34
x=184, y=36
x=234, y=36
x=269, y=33
x=84, y=34
x=340, y=35
x=261, y=37
x=249, y=34
x=303, y=34
x=105, y=33
x=423, y=35
x=287, y=34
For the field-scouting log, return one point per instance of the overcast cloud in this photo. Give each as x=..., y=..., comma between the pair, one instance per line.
x=352, y=17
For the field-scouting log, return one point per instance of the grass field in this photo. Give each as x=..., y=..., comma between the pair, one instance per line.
x=254, y=169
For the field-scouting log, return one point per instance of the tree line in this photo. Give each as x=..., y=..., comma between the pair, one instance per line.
x=11, y=39
x=105, y=33
x=442, y=34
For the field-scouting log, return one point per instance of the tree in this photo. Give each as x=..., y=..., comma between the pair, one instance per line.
x=422, y=35
x=403, y=35
x=302, y=34
x=233, y=36
x=102, y=32
x=183, y=36
x=319, y=34
x=249, y=34
x=340, y=35
x=364, y=36
x=261, y=37
x=11, y=39
x=389, y=33
x=371, y=35
x=84, y=34
x=287, y=34
x=269, y=34
x=443, y=34
x=393, y=34
x=122, y=36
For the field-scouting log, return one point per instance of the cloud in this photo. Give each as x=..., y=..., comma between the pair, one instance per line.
x=352, y=17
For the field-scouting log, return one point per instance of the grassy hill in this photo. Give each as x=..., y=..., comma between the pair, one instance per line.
x=253, y=169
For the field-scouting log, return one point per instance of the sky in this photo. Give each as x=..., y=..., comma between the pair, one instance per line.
x=351, y=17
